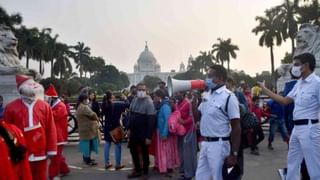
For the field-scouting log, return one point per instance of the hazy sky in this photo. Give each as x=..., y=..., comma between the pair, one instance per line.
x=117, y=29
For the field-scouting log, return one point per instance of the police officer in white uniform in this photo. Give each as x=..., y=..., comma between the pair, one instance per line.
x=216, y=116
x=305, y=137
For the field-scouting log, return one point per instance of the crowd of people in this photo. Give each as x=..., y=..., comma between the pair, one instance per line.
x=199, y=134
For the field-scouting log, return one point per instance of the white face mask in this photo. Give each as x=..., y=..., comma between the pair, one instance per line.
x=296, y=71
x=141, y=94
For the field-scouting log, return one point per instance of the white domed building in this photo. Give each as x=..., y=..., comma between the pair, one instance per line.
x=147, y=65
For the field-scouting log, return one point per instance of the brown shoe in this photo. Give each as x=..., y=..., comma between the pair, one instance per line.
x=119, y=167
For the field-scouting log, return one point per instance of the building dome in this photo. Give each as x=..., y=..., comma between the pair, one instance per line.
x=147, y=62
x=147, y=56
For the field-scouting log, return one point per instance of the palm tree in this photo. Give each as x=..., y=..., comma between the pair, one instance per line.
x=9, y=20
x=271, y=31
x=41, y=47
x=206, y=60
x=224, y=50
x=196, y=65
x=287, y=15
x=62, y=65
x=310, y=13
x=27, y=41
x=81, y=54
x=51, y=52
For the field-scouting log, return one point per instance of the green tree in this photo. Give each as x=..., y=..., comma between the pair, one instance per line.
x=41, y=47
x=310, y=13
x=224, y=50
x=51, y=52
x=270, y=30
x=151, y=81
x=287, y=59
x=111, y=75
x=27, y=41
x=9, y=20
x=189, y=75
x=62, y=64
x=81, y=56
x=205, y=60
x=288, y=17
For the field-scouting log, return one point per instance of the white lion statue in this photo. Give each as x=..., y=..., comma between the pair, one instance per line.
x=8, y=50
x=308, y=40
x=9, y=62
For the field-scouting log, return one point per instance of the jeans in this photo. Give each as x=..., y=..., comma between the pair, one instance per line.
x=117, y=153
x=276, y=124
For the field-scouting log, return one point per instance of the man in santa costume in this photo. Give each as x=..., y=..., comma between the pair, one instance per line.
x=60, y=115
x=33, y=117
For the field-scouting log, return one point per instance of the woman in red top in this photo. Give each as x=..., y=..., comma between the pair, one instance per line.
x=257, y=135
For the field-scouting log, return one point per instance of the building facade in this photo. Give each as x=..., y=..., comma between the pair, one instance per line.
x=147, y=65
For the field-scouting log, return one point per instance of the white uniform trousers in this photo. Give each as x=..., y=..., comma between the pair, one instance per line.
x=211, y=159
x=304, y=143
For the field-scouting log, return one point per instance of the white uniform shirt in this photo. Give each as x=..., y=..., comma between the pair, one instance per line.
x=306, y=95
x=215, y=122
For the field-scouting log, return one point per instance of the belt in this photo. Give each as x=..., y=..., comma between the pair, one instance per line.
x=213, y=139
x=304, y=121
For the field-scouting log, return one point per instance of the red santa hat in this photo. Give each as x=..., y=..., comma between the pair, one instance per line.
x=51, y=91
x=20, y=79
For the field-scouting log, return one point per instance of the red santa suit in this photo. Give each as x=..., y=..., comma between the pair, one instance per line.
x=58, y=163
x=13, y=170
x=36, y=122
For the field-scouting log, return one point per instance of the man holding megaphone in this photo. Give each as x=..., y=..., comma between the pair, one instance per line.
x=220, y=122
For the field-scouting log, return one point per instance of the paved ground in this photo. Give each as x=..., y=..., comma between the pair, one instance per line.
x=263, y=167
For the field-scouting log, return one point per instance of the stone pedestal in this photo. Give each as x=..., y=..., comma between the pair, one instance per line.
x=8, y=88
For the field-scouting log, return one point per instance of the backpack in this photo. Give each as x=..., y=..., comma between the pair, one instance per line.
x=248, y=119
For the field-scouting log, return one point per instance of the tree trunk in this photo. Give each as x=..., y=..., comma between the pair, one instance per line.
x=272, y=67
x=292, y=46
x=40, y=62
x=27, y=61
x=51, y=68
x=228, y=65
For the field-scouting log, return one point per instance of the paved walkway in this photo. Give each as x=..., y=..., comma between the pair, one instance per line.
x=263, y=167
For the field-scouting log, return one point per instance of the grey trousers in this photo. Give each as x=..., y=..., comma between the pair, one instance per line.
x=188, y=154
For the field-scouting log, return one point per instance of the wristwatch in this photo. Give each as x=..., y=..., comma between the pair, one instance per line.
x=235, y=153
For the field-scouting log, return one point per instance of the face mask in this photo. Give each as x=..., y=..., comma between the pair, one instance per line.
x=27, y=99
x=210, y=84
x=296, y=71
x=141, y=94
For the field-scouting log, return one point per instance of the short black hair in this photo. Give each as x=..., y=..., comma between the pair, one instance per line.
x=220, y=71
x=162, y=82
x=160, y=93
x=254, y=98
x=230, y=80
x=307, y=58
x=141, y=84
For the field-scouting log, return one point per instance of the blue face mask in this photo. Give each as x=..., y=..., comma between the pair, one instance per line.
x=210, y=84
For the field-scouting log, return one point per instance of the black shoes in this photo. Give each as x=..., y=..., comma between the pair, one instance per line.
x=134, y=174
